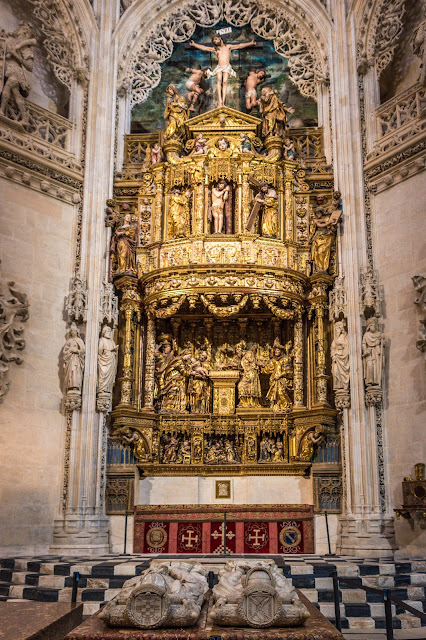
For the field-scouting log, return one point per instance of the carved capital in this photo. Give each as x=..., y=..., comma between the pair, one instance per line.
x=72, y=401
x=373, y=396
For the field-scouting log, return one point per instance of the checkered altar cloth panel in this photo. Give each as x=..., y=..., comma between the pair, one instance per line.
x=275, y=528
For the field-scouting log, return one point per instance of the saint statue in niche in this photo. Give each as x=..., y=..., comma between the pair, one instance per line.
x=107, y=361
x=223, y=69
x=74, y=354
x=323, y=233
x=221, y=209
x=123, y=245
x=372, y=353
x=178, y=214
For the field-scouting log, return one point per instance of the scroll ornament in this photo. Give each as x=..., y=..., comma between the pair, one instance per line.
x=13, y=310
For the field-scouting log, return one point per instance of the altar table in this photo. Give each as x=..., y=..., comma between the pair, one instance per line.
x=191, y=529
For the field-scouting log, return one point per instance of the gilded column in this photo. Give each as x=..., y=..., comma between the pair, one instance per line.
x=320, y=373
x=130, y=309
x=150, y=363
x=298, y=360
x=245, y=199
x=198, y=215
x=288, y=205
x=158, y=205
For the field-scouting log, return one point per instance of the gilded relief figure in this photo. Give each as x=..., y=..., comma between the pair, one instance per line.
x=268, y=199
x=123, y=246
x=249, y=391
x=171, y=377
x=223, y=69
x=281, y=381
x=178, y=222
x=274, y=113
x=215, y=452
x=140, y=448
x=170, y=450
x=176, y=112
x=372, y=353
x=271, y=450
x=310, y=441
x=199, y=386
x=184, y=452
x=323, y=233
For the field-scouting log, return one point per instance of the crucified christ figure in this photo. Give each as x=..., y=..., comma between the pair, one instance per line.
x=223, y=69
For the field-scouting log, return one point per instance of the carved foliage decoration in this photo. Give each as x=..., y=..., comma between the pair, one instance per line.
x=381, y=37
x=76, y=302
x=13, y=311
x=61, y=41
x=109, y=304
x=142, y=72
x=420, y=301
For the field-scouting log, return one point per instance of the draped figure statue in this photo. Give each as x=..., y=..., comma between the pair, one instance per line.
x=73, y=354
x=372, y=353
x=340, y=357
x=107, y=361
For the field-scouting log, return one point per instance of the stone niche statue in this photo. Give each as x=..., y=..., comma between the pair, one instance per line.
x=107, y=368
x=372, y=353
x=254, y=593
x=168, y=594
x=73, y=355
x=339, y=352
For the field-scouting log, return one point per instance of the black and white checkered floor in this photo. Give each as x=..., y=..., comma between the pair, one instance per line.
x=49, y=579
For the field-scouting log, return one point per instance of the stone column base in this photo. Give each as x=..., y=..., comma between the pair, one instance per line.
x=76, y=535
x=368, y=536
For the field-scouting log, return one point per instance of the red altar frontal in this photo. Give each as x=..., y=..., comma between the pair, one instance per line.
x=274, y=528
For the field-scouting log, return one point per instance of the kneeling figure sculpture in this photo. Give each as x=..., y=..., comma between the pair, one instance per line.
x=255, y=594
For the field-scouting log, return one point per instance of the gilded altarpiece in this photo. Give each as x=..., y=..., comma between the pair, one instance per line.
x=222, y=254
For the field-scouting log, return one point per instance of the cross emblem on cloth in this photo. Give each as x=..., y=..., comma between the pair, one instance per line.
x=188, y=540
x=258, y=538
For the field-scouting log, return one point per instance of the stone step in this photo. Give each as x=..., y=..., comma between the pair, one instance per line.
x=50, y=580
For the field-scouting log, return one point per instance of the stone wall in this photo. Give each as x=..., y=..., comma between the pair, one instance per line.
x=36, y=240
x=400, y=254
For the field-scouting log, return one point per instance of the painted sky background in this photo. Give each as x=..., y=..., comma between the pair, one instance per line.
x=148, y=117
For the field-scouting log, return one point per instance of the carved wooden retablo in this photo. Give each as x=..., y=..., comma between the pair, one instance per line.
x=222, y=255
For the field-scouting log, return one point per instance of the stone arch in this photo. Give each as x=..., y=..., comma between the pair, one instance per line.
x=290, y=25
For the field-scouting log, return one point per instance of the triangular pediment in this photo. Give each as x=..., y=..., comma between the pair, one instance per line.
x=223, y=119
